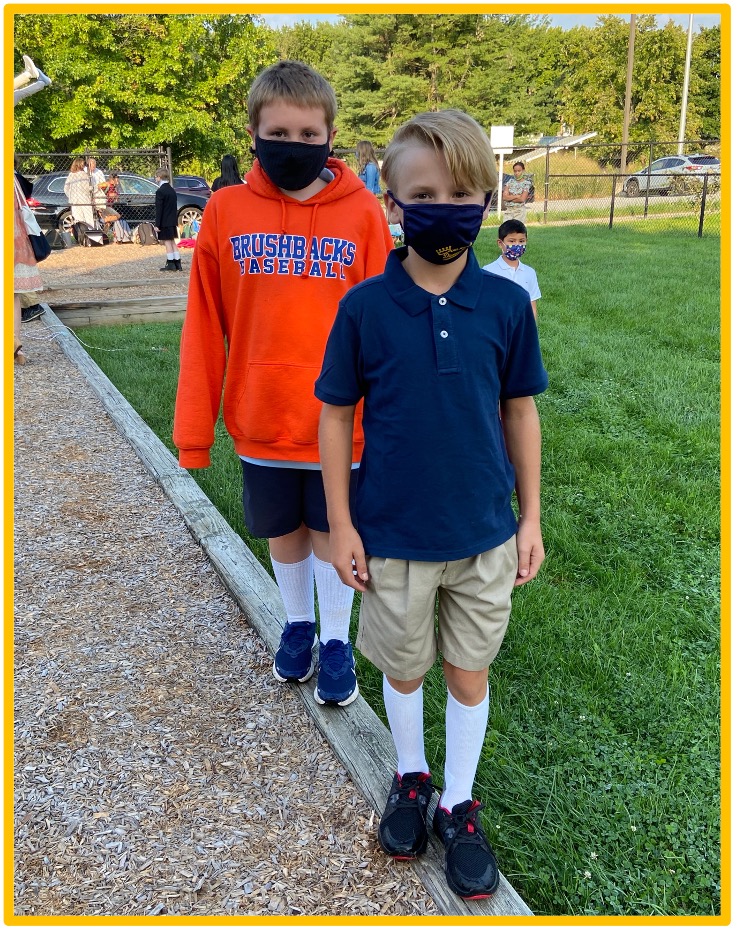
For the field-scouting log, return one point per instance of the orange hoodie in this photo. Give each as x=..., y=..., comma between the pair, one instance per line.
x=267, y=275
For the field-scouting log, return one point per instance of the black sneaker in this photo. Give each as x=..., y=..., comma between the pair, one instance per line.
x=403, y=826
x=33, y=311
x=470, y=865
x=293, y=660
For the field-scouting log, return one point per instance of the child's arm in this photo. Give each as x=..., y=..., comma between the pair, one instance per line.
x=533, y=303
x=522, y=436
x=336, y=447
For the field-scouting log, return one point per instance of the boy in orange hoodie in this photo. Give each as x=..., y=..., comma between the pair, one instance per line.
x=273, y=259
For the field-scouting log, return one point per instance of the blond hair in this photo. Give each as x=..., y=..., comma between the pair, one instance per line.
x=452, y=134
x=77, y=164
x=162, y=173
x=295, y=83
x=365, y=154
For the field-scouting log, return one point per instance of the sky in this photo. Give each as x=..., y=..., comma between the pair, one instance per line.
x=565, y=20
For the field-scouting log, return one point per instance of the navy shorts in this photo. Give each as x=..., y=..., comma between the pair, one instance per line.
x=276, y=501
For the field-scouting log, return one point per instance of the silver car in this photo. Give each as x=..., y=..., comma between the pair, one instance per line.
x=659, y=175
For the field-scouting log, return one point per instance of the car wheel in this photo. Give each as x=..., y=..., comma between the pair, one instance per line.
x=187, y=215
x=66, y=222
x=632, y=188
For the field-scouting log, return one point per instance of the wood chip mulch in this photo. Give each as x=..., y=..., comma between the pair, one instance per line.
x=141, y=266
x=159, y=769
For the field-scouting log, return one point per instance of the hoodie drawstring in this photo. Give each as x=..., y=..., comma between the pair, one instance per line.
x=313, y=225
x=283, y=216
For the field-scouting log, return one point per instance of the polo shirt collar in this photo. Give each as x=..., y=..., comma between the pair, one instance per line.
x=414, y=300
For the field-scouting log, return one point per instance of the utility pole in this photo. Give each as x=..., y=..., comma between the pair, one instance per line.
x=628, y=95
x=684, y=98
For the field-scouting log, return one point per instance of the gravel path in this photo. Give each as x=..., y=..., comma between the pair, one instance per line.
x=115, y=262
x=159, y=768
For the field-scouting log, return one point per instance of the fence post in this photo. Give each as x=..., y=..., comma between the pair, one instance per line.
x=647, y=187
x=703, y=205
x=614, y=195
x=547, y=183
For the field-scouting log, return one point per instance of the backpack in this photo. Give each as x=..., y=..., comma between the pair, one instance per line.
x=58, y=239
x=79, y=230
x=145, y=234
x=122, y=232
x=87, y=236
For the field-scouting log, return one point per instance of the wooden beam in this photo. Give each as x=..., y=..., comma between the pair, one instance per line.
x=99, y=284
x=121, y=311
x=359, y=739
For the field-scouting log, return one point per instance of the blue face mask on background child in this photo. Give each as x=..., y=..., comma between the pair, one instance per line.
x=440, y=233
x=514, y=251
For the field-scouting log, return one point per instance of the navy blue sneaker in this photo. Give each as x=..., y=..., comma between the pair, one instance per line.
x=336, y=674
x=293, y=661
x=403, y=826
x=470, y=865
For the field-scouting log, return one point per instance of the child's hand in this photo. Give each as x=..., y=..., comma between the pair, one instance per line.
x=530, y=551
x=348, y=557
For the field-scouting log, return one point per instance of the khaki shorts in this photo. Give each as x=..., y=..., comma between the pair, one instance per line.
x=516, y=212
x=474, y=596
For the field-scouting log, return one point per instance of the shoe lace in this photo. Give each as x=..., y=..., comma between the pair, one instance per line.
x=411, y=786
x=298, y=635
x=335, y=658
x=467, y=822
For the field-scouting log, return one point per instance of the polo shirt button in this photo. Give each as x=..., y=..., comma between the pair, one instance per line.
x=443, y=334
x=442, y=301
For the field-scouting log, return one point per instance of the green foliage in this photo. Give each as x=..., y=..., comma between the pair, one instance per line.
x=128, y=80
x=134, y=80
x=510, y=69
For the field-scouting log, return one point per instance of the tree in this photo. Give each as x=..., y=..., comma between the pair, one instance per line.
x=139, y=80
x=706, y=77
x=593, y=88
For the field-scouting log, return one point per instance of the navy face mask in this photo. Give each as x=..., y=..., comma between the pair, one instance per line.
x=291, y=166
x=440, y=233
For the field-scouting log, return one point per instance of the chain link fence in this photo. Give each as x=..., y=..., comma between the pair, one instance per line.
x=585, y=184
x=133, y=199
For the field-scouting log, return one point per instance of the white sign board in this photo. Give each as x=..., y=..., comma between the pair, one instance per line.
x=502, y=139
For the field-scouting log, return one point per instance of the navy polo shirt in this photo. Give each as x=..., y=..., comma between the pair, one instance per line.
x=435, y=482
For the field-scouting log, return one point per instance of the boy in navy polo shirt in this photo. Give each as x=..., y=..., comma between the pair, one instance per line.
x=438, y=350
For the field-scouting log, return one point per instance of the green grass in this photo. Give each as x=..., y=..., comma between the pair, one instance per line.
x=600, y=769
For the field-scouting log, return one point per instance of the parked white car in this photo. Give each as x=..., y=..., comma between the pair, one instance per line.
x=659, y=175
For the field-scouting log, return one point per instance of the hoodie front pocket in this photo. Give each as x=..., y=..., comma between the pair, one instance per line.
x=277, y=402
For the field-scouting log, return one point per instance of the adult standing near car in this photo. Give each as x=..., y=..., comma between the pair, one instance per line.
x=229, y=173
x=516, y=194
x=79, y=194
x=97, y=186
x=166, y=220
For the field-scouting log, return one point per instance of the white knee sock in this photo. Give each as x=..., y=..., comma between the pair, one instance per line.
x=465, y=729
x=335, y=601
x=404, y=713
x=297, y=588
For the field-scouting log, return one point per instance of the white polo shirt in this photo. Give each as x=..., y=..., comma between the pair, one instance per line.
x=523, y=275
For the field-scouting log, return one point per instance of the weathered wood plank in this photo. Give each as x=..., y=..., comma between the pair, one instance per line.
x=132, y=304
x=356, y=734
x=83, y=317
x=98, y=284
